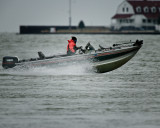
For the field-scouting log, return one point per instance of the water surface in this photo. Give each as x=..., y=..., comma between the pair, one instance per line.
x=72, y=97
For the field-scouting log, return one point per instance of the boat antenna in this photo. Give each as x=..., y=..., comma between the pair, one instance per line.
x=70, y=12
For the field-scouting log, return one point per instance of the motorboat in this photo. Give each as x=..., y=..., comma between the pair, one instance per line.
x=101, y=60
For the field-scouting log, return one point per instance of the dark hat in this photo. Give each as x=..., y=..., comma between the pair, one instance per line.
x=74, y=38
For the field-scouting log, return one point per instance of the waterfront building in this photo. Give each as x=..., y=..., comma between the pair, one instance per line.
x=137, y=15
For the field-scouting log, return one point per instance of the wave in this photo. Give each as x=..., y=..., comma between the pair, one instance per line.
x=72, y=69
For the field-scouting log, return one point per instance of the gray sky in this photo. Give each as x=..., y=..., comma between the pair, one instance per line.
x=14, y=13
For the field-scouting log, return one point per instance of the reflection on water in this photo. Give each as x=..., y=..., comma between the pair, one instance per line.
x=75, y=97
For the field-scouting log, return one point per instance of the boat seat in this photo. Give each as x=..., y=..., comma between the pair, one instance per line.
x=41, y=55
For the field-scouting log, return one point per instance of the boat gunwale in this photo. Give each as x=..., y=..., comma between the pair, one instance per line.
x=77, y=57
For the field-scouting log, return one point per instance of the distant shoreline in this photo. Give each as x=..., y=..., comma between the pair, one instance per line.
x=75, y=30
x=96, y=33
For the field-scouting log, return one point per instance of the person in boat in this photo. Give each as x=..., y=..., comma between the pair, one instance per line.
x=71, y=47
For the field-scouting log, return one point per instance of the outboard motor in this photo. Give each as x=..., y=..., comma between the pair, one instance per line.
x=9, y=62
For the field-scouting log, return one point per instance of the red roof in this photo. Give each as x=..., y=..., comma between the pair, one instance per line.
x=121, y=16
x=144, y=3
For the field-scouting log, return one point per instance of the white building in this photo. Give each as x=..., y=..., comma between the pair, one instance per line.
x=136, y=15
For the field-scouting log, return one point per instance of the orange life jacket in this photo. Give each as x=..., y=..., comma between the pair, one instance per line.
x=71, y=46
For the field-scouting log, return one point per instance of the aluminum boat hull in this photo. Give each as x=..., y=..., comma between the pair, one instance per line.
x=112, y=64
x=103, y=60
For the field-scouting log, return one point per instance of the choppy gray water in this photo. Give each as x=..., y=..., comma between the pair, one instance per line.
x=72, y=97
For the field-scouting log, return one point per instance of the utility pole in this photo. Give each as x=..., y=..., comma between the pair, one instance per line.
x=70, y=12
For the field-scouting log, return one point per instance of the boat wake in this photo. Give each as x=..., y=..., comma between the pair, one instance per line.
x=73, y=69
